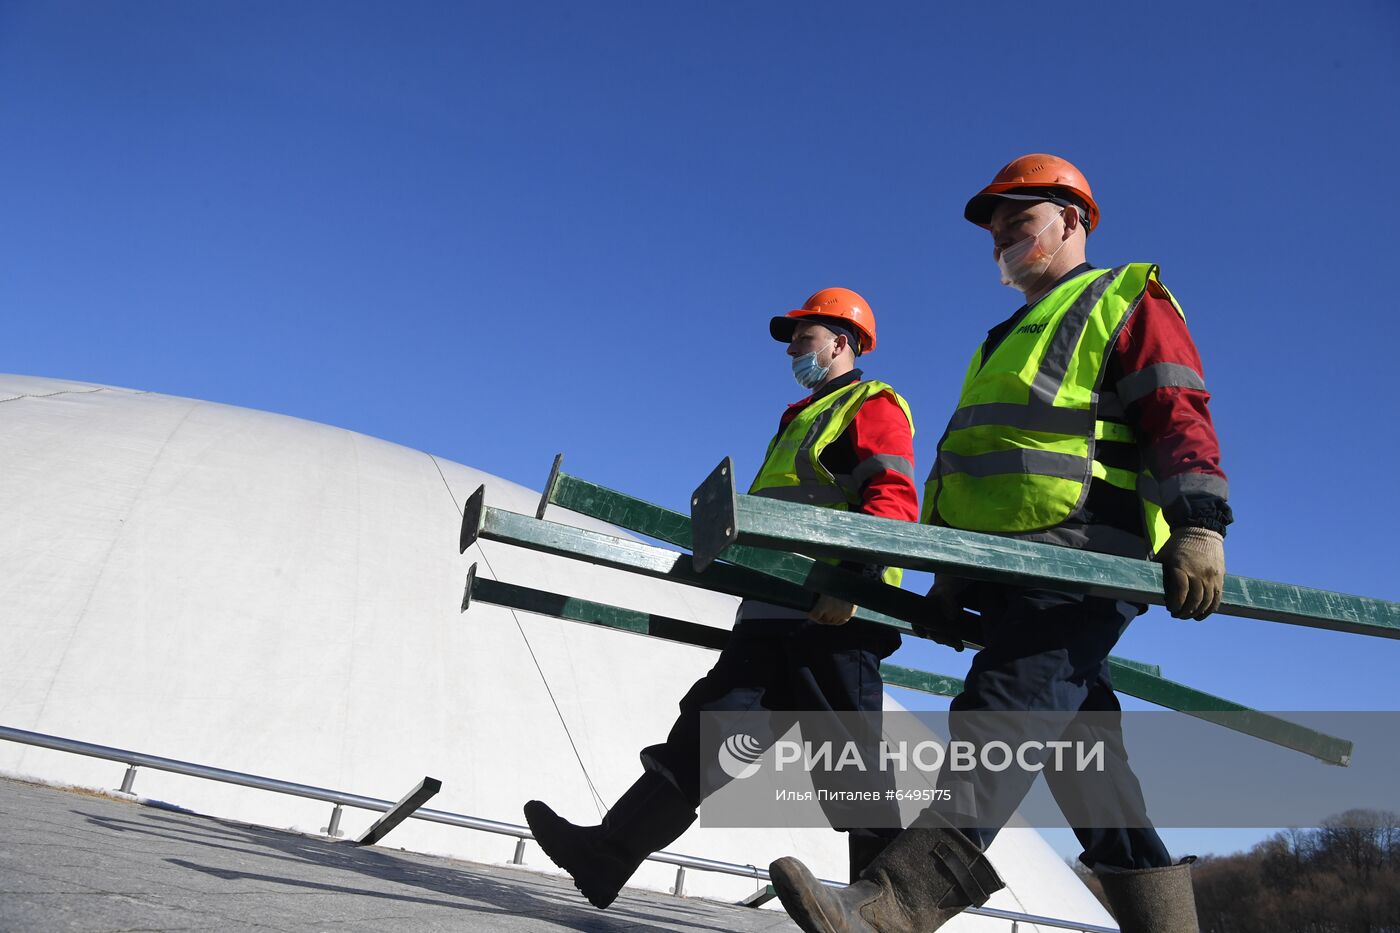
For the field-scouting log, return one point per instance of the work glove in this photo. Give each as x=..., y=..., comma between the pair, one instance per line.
x=828, y=610
x=1193, y=572
x=947, y=618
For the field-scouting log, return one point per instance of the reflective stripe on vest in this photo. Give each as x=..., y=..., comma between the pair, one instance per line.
x=792, y=469
x=1018, y=455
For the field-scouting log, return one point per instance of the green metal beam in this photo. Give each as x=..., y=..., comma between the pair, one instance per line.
x=540, y=602
x=674, y=528
x=663, y=524
x=480, y=521
x=1134, y=678
x=912, y=678
x=1240, y=718
x=722, y=519
x=654, y=521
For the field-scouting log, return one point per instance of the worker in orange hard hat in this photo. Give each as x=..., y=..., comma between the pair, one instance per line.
x=838, y=309
x=848, y=445
x=1082, y=423
x=1035, y=179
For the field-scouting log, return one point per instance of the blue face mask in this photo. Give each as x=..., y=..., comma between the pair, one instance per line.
x=807, y=371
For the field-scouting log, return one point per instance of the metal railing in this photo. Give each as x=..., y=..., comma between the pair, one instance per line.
x=522, y=834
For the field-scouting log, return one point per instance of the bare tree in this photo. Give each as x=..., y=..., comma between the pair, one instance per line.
x=1343, y=877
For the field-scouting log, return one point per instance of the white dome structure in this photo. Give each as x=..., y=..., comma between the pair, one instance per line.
x=264, y=594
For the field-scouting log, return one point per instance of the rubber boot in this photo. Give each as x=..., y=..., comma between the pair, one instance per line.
x=863, y=847
x=922, y=879
x=648, y=817
x=1152, y=900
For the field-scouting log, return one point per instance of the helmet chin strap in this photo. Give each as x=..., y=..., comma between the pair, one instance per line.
x=1043, y=274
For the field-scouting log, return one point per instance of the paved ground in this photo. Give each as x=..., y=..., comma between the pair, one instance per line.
x=70, y=861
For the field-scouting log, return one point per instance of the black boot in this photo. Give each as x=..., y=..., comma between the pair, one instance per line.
x=920, y=882
x=1151, y=900
x=649, y=817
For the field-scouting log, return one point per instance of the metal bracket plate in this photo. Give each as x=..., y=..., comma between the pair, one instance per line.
x=549, y=485
x=471, y=585
x=712, y=509
x=473, y=511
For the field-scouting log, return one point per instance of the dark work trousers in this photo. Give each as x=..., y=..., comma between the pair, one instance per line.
x=785, y=666
x=1046, y=653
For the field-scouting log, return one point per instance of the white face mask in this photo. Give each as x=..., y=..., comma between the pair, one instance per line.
x=807, y=371
x=1025, y=261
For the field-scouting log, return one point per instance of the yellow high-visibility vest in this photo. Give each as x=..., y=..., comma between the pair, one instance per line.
x=792, y=469
x=1018, y=455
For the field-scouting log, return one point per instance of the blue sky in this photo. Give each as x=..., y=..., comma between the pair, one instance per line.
x=498, y=231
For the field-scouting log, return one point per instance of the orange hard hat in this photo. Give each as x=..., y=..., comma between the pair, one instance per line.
x=839, y=306
x=1034, y=177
